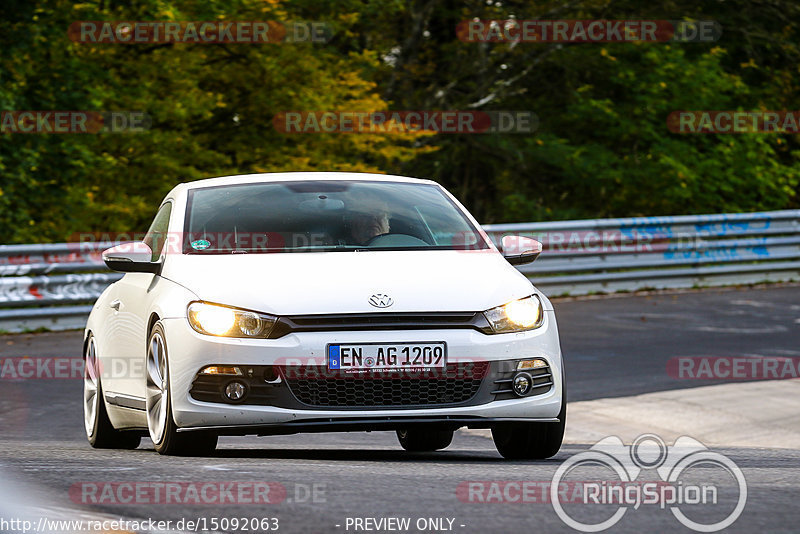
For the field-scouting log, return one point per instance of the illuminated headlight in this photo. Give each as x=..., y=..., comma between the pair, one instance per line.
x=216, y=320
x=516, y=316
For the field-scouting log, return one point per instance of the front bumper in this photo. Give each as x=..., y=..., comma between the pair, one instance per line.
x=189, y=352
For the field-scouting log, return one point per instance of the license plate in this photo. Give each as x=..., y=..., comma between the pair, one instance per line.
x=364, y=356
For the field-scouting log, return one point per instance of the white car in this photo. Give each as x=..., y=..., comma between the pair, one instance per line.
x=318, y=302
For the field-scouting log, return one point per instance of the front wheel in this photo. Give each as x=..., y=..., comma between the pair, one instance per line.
x=530, y=441
x=99, y=430
x=423, y=439
x=160, y=423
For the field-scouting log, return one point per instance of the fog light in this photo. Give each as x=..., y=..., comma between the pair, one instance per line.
x=522, y=384
x=536, y=363
x=235, y=391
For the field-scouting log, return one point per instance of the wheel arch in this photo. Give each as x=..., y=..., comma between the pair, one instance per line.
x=86, y=337
x=151, y=322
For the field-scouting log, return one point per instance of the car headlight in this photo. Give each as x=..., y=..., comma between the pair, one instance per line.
x=217, y=320
x=516, y=316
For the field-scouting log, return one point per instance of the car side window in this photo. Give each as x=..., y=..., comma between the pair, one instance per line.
x=156, y=235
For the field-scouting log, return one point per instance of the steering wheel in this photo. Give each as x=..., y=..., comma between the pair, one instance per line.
x=395, y=240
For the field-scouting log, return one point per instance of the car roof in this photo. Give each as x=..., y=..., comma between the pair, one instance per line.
x=294, y=176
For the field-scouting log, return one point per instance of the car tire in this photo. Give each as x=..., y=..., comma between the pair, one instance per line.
x=424, y=439
x=99, y=430
x=158, y=402
x=530, y=441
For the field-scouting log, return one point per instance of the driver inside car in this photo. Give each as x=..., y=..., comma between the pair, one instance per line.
x=369, y=220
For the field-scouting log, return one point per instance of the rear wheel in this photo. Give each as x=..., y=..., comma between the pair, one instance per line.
x=99, y=430
x=530, y=441
x=424, y=439
x=160, y=423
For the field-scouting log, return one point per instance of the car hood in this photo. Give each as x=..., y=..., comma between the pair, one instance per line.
x=343, y=282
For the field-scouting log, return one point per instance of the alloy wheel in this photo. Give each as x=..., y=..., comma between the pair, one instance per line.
x=91, y=377
x=157, y=387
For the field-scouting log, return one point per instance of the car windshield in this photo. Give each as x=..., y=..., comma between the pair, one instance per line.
x=311, y=216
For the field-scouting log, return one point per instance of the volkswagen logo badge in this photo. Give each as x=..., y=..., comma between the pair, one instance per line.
x=379, y=300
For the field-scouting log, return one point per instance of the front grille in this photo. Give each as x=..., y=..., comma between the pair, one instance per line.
x=380, y=321
x=320, y=387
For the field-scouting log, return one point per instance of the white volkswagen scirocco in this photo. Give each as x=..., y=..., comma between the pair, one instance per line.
x=319, y=302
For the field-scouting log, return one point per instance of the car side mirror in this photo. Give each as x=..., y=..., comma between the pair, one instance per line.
x=519, y=250
x=134, y=257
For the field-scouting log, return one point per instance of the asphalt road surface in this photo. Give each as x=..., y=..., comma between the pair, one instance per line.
x=350, y=482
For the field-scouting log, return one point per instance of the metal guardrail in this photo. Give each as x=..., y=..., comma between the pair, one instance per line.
x=610, y=255
x=52, y=285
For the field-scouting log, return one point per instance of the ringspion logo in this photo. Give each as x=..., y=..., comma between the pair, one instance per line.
x=674, y=490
